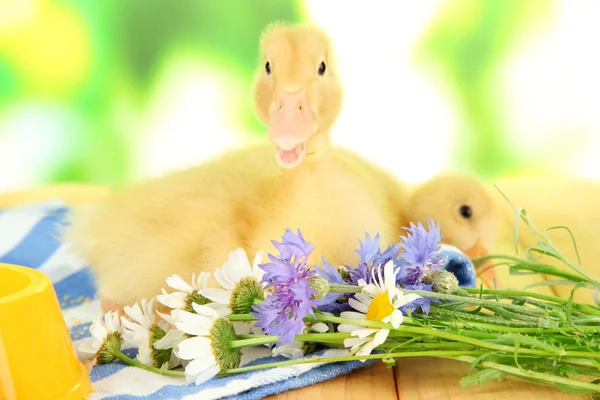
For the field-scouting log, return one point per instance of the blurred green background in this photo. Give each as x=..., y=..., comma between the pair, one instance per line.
x=115, y=91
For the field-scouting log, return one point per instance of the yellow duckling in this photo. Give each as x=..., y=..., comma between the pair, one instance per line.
x=190, y=220
x=466, y=212
x=475, y=217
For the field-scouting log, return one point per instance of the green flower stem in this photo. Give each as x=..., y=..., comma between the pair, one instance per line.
x=541, y=322
x=458, y=338
x=492, y=327
x=551, y=307
x=549, y=270
x=484, y=319
x=528, y=374
x=422, y=346
x=578, y=361
x=519, y=293
x=240, y=317
x=475, y=342
x=322, y=337
x=551, y=245
x=445, y=354
x=579, y=370
x=339, y=320
x=338, y=288
x=532, y=330
x=257, y=340
x=526, y=265
x=476, y=301
x=136, y=363
x=589, y=322
x=393, y=333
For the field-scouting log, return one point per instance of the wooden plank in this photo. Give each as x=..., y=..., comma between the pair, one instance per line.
x=374, y=383
x=427, y=378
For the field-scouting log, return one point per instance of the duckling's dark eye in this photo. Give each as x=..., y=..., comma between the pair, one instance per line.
x=268, y=68
x=466, y=211
x=322, y=68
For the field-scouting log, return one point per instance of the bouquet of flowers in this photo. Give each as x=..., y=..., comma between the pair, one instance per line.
x=402, y=302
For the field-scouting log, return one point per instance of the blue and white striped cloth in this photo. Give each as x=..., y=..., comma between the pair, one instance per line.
x=29, y=237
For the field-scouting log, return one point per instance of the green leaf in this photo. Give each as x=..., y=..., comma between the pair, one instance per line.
x=571, y=389
x=515, y=270
x=543, y=252
x=481, y=378
x=532, y=342
x=568, y=369
x=572, y=239
x=550, y=283
x=477, y=361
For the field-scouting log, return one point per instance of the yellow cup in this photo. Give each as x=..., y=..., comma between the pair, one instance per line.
x=37, y=358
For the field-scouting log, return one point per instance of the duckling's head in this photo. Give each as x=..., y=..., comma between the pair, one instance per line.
x=464, y=209
x=297, y=91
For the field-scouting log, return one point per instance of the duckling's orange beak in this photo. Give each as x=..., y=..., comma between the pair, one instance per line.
x=487, y=273
x=290, y=126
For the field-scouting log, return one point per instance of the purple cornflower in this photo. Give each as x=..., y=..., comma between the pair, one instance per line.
x=371, y=257
x=293, y=245
x=282, y=313
x=420, y=252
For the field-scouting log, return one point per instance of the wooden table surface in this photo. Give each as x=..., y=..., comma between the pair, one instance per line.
x=420, y=379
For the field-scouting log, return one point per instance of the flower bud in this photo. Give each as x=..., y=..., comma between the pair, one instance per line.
x=441, y=280
x=321, y=287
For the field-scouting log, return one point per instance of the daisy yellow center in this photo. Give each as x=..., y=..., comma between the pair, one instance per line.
x=379, y=308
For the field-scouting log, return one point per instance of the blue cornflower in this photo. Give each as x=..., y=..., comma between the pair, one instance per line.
x=368, y=249
x=424, y=303
x=282, y=313
x=420, y=252
x=371, y=257
x=391, y=253
x=293, y=245
x=419, y=244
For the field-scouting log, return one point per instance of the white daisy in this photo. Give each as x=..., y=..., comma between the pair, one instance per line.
x=106, y=338
x=144, y=328
x=240, y=287
x=208, y=350
x=239, y=280
x=297, y=349
x=378, y=301
x=186, y=293
x=173, y=335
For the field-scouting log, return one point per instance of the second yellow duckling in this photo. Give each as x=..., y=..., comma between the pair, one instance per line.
x=469, y=218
